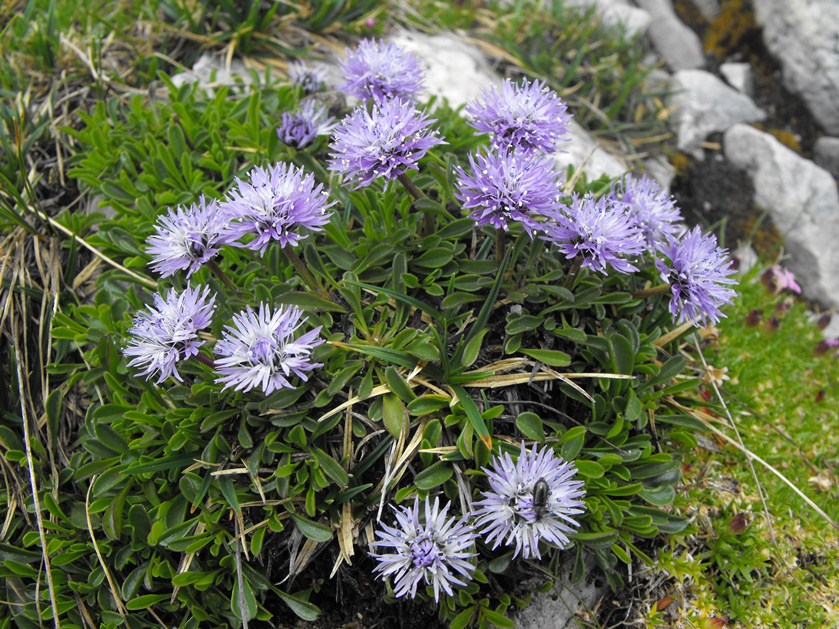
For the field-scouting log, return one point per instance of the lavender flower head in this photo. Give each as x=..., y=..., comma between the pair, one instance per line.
x=504, y=187
x=273, y=204
x=698, y=272
x=651, y=208
x=167, y=332
x=436, y=552
x=300, y=128
x=509, y=514
x=260, y=349
x=187, y=237
x=306, y=77
x=381, y=71
x=528, y=117
x=384, y=142
x=599, y=230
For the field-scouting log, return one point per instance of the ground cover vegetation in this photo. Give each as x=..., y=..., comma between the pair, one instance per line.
x=371, y=344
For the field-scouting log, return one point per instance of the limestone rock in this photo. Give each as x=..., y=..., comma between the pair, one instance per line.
x=709, y=9
x=739, y=76
x=455, y=70
x=704, y=105
x=582, y=150
x=617, y=14
x=802, y=34
x=211, y=71
x=826, y=154
x=803, y=202
x=676, y=43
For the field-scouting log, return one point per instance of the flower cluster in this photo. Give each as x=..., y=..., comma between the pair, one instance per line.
x=308, y=78
x=300, y=128
x=260, y=349
x=530, y=500
x=385, y=141
x=504, y=187
x=274, y=203
x=698, y=272
x=380, y=71
x=650, y=208
x=167, y=333
x=528, y=117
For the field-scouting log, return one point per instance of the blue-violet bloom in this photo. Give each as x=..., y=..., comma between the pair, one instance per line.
x=300, y=128
x=504, y=187
x=651, y=208
x=436, y=551
x=508, y=513
x=187, y=237
x=599, y=230
x=699, y=272
x=527, y=117
x=381, y=71
x=260, y=349
x=383, y=142
x=167, y=333
x=308, y=78
x=274, y=203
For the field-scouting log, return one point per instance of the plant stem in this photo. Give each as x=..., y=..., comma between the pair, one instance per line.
x=649, y=292
x=216, y=269
x=307, y=276
x=410, y=186
x=499, y=244
x=571, y=278
x=201, y=357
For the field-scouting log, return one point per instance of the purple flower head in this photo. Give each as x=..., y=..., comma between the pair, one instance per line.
x=384, y=142
x=503, y=187
x=187, y=237
x=509, y=514
x=528, y=117
x=598, y=229
x=698, y=271
x=260, y=349
x=381, y=71
x=300, y=128
x=273, y=204
x=436, y=551
x=167, y=332
x=307, y=78
x=651, y=208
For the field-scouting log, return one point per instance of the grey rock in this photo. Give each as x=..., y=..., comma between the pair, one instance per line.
x=709, y=9
x=739, y=76
x=803, y=202
x=211, y=71
x=583, y=151
x=617, y=14
x=826, y=154
x=676, y=43
x=747, y=257
x=455, y=70
x=704, y=105
x=804, y=36
x=660, y=170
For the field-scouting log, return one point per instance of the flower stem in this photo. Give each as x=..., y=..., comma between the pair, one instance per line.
x=649, y=292
x=499, y=245
x=307, y=276
x=201, y=357
x=216, y=269
x=428, y=217
x=571, y=278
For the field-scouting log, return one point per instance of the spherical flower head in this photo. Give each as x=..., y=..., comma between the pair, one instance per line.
x=273, y=204
x=381, y=71
x=187, y=237
x=167, y=333
x=651, y=208
x=300, y=128
x=436, y=551
x=384, y=142
x=262, y=349
x=513, y=512
x=599, y=230
x=699, y=272
x=306, y=77
x=528, y=117
x=504, y=187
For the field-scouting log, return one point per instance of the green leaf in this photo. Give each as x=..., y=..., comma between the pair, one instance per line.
x=524, y=323
x=433, y=476
x=530, y=425
x=301, y=608
x=225, y=485
x=434, y=258
x=473, y=415
x=572, y=442
x=472, y=348
x=597, y=539
x=315, y=531
x=382, y=353
x=331, y=467
x=394, y=415
x=427, y=404
x=499, y=620
x=399, y=386
x=145, y=601
x=308, y=301
x=589, y=469
x=551, y=357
